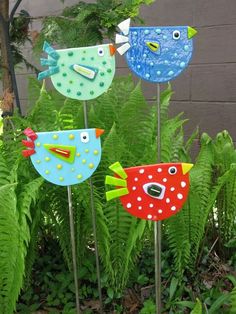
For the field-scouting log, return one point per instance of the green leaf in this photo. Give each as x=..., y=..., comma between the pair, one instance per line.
x=197, y=308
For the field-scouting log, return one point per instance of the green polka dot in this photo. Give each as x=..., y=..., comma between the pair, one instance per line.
x=95, y=152
x=55, y=136
x=70, y=53
x=91, y=165
x=92, y=58
x=68, y=90
x=64, y=74
x=47, y=171
x=86, y=150
x=84, y=161
x=38, y=144
x=38, y=161
x=79, y=176
x=78, y=93
x=59, y=166
x=58, y=84
x=78, y=154
x=104, y=62
x=84, y=51
x=81, y=84
x=102, y=73
x=108, y=70
x=61, y=179
x=71, y=82
x=83, y=58
x=62, y=64
x=47, y=158
x=91, y=92
x=101, y=84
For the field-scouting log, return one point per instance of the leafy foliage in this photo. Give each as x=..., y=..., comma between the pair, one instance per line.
x=89, y=23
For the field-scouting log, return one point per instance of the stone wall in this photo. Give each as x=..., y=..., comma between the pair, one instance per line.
x=206, y=91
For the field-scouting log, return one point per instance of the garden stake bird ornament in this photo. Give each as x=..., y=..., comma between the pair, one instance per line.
x=82, y=73
x=156, y=54
x=65, y=158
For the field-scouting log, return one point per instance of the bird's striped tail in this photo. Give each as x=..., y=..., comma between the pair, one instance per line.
x=51, y=62
x=119, y=182
x=29, y=143
x=124, y=37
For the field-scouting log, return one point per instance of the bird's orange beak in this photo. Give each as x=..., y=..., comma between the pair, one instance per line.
x=186, y=167
x=99, y=132
x=112, y=49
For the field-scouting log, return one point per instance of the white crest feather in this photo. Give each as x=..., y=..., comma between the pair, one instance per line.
x=124, y=26
x=120, y=39
x=122, y=49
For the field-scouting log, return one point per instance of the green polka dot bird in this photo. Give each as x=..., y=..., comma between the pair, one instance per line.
x=64, y=157
x=80, y=73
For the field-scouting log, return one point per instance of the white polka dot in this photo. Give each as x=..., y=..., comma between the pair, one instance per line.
x=140, y=207
x=151, y=205
x=159, y=211
x=134, y=188
x=180, y=196
x=136, y=179
x=183, y=184
x=149, y=216
x=173, y=208
x=150, y=177
x=128, y=205
x=141, y=171
x=172, y=189
x=159, y=170
x=167, y=200
x=139, y=199
x=164, y=180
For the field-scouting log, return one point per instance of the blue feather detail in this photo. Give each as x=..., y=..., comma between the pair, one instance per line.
x=50, y=51
x=50, y=62
x=49, y=72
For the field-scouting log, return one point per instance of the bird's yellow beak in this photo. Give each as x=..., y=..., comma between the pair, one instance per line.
x=112, y=49
x=191, y=32
x=99, y=132
x=186, y=167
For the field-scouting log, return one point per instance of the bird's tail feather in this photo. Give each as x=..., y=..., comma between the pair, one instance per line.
x=124, y=37
x=51, y=62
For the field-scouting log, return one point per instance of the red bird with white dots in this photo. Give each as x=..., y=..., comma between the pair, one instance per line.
x=151, y=192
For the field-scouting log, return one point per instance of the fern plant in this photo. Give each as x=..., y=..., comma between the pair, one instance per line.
x=16, y=202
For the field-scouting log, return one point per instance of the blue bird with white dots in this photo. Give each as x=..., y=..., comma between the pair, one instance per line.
x=64, y=157
x=156, y=54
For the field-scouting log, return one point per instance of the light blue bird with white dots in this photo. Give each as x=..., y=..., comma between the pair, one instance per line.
x=156, y=54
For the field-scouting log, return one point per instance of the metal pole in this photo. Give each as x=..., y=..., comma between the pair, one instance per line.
x=157, y=224
x=73, y=247
x=94, y=220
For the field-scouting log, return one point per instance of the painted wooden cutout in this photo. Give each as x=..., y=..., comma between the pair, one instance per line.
x=64, y=157
x=80, y=73
x=152, y=192
x=156, y=54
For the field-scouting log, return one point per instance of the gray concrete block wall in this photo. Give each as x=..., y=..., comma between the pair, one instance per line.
x=206, y=91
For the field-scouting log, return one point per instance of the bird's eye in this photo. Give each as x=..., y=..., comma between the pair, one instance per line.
x=176, y=35
x=84, y=137
x=100, y=52
x=172, y=170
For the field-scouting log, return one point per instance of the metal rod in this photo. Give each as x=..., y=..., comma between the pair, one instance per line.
x=94, y=220
x=73, y=247
x=157, y=224
x=13, y=11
